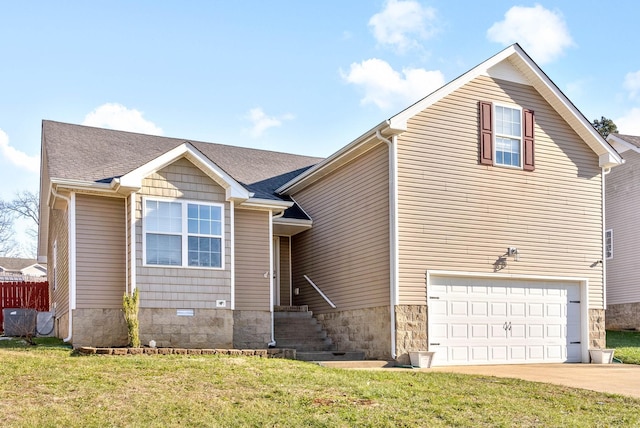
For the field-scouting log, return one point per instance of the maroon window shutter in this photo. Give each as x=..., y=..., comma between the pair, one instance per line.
x=528, y=153
x=486, y=132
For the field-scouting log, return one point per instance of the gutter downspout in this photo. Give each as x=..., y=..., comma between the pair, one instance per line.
x=70, y=213
x=272, y=343
x=393, y=234
x=605, y=172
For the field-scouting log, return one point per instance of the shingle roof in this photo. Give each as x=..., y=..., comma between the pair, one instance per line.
x=85, y=153
x=631, y=139
x=15, y=263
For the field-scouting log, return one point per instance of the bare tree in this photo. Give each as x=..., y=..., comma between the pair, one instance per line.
x=8, y=246
x=25, y=205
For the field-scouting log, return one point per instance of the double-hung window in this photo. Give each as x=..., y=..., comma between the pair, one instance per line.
x=508, y=136
x=183, y=233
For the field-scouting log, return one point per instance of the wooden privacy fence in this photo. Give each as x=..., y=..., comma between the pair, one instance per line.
x=25, y=295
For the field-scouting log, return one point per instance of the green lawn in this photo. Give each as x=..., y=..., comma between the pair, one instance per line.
x=46, y=385
x=626, y=344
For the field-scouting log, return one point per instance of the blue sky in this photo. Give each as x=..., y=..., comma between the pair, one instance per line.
x=302, y=77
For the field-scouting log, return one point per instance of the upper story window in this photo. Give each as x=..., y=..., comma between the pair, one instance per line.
x=183, y=233
x=608, y=243
x=507, y=135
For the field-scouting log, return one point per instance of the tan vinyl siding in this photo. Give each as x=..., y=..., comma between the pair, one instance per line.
x=252, y=243
x=457, y=215
x=100, y=252
x=285, y=271
x=182, y=287
x=623, y=215
x=59, y=230
x=346, y=253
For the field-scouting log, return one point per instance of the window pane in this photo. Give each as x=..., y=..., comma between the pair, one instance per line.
x=507, y=151
x=205, y=212
x=163, y=216
x=164, y=249
x=207, y=253
x=193, y=226
x=192, y=211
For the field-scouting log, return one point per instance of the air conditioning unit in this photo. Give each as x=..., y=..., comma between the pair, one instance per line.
x=19, y=322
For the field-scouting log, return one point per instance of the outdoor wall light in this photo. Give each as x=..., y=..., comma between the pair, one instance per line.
x=513, y=252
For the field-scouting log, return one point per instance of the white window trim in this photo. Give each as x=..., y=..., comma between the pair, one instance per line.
x=185, y=233
x=608, y=235
x=496, y=135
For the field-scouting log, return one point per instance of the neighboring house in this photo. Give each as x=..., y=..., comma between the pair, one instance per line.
x=622, y=235
x=21, y=269
x=468, y=224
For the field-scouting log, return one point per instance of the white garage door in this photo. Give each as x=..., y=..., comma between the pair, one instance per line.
x=503, y=321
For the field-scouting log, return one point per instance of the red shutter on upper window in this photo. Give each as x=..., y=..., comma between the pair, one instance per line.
x=528, y=153
x=486, y=132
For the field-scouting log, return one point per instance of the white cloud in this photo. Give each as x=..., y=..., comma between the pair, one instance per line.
x=629, y=123
x=403, y=24
x=632, y=83
x=117, y=116
x=541, y=32
x=386, y=88
x=261, y=122
x=16, y=157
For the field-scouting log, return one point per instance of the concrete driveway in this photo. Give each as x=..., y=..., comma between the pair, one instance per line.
x=621, y=379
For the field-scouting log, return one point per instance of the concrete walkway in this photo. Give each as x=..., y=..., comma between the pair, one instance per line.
x=621, y=379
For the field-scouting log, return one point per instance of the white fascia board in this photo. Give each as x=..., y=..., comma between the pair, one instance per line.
x=340, y=155
x=234, y=190
x=399, y=121
x=539, y=80
x=68, y=184
x=266, y=204
x=298, y=222
x=621, y=145
x=569, y=112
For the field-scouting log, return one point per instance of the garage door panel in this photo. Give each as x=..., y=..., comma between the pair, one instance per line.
x=536, y=309
x=459, y=331
x=495, y=321
x=479, y=331
x=479, y=309
x=458, y=308
x=479, y=354
x=536, y=353
x=517, y=309
x=498, y=309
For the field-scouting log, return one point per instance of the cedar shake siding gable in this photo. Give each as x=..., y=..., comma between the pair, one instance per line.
x=173, y=286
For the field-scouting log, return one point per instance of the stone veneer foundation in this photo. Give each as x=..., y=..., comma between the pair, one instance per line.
x=207, y=328
x=597, y=332
x=99, y=327
x=251, y=329
x=411, y=331
x=623, y=316
x=366, y=330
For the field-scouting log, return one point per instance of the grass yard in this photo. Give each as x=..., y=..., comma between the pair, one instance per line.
x=46, y=385
x=626, y=344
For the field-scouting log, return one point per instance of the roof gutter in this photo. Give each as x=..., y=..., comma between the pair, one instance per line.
x=318, y=169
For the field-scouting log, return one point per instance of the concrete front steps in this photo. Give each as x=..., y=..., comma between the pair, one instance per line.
x=296, y=328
